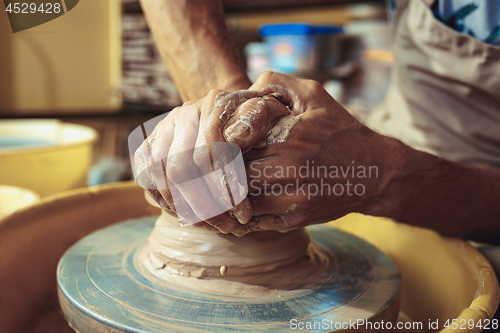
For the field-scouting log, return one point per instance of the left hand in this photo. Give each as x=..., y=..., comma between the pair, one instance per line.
x=177, y=153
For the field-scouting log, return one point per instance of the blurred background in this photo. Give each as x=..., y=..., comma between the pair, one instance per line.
x=97, y=67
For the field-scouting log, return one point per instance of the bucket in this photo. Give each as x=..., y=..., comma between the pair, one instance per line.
x=43, y=155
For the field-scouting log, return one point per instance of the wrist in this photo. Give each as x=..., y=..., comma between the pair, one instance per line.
x=398, y=164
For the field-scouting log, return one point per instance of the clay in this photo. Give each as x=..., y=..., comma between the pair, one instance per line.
x=261, y=263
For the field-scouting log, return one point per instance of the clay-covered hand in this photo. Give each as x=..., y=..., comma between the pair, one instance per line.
x=330, y=165
x=187, y=164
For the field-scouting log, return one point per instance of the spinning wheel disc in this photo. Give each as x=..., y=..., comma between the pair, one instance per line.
x=103, y=288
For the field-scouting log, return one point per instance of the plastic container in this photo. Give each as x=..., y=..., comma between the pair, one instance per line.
x=292, y=47
x=299, y=48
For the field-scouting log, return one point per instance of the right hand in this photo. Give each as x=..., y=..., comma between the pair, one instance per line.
x=326, y=137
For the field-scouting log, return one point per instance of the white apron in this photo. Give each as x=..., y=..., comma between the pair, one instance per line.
x=444, y=96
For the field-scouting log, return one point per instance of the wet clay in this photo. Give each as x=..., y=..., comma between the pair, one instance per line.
x=261, y=263
x=281, y=131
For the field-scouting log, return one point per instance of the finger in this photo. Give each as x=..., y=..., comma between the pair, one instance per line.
x=263, y=223
x=164, y=189
x=220, y=162
x=272, y=82
x=159, y=143
x=223, y=171
x=297, y=94
x=243, y=211
x=231, y=101
x=181, y=207
x=262, y=151
x=225, y=177
x=143, y=155
x=218, y=108
x=183, y=174
x=211, y=164
x=144, y=178
x=146, y=182
x=253, y=120
x=137, y=142
x=223, y=222
x=228, y=161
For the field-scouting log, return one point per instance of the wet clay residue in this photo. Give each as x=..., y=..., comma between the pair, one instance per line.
x=260, y=263
x=281, y=130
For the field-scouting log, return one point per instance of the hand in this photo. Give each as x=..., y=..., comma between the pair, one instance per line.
x=330, y=165
x=176, y=162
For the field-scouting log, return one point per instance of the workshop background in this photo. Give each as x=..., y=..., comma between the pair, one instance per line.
x=105, y=72
x=69, y=100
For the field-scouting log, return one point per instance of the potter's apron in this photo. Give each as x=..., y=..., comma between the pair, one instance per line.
x=444, y=96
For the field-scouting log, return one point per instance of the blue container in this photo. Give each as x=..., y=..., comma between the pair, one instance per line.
x=292, y=47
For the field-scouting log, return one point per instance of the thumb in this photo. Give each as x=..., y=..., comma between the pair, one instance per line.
x=253, y=120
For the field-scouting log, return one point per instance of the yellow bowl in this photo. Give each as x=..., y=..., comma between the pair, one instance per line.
x=13, y=198
x=441, y=278
x=46, y=156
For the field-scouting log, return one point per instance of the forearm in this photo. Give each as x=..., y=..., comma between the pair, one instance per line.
x=195, y=44
x=454, y=199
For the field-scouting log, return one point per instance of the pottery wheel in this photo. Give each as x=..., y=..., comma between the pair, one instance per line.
x=101, y=289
